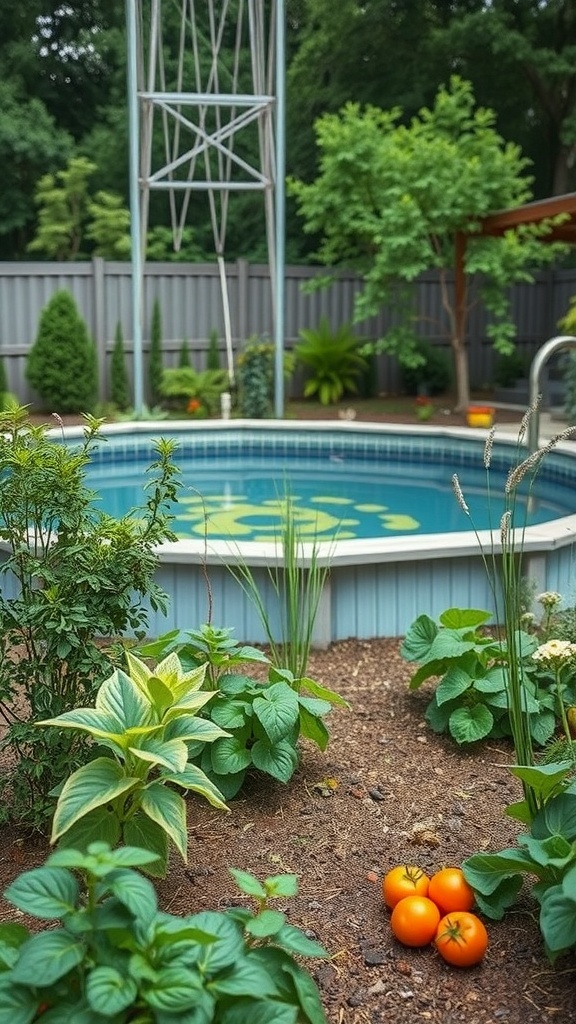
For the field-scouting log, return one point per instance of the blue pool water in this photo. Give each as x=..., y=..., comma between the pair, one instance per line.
x=357, y=486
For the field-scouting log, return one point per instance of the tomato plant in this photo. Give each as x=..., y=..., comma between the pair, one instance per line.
x=461, y=939
x=450, y=891
x=404, y=880
x=414, y=920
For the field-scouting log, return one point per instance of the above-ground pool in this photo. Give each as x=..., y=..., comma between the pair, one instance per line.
x=403, y=544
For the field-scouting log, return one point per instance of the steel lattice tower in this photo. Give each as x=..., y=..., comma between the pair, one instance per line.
x=203, y=102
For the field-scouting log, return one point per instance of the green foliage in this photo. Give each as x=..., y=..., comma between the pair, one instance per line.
x=184, y=356
x=155, y=361
x=431, y=375
x=119, y=389
x=147, y=720
x=510, y=367
x=255, y=378
x=61, y=365
x=178, y=386
x=445, y=170
x=333, y=360
x=547, y=853
x=114, y=956
x=264, y=721
x=78, y=575
x=109, y=227
x=62, y=199
x=471, y=700
x=213, y=354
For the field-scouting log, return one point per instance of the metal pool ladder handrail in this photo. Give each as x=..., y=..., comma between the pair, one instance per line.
x=540, y=359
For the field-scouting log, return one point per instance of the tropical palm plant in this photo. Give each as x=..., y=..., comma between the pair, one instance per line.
x=333, y=359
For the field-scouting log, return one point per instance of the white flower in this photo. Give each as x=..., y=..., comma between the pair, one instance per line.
x=555, y=652
x=549, y=599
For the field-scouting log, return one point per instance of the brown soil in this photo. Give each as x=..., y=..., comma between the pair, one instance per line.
x=386, y=791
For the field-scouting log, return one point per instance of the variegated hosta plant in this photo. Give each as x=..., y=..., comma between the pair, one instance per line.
x=146, y=719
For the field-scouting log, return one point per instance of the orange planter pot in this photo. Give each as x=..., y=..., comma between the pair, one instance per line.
x=479, y=416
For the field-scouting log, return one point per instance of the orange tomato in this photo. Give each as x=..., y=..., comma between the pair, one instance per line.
x=414, y=920
x=461, y=939
x=404, y=880
x=450, y=891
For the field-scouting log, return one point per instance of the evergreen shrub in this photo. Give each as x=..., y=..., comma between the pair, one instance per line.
x=61, y=365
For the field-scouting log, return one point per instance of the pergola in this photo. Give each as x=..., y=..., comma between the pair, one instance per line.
x=498, y=223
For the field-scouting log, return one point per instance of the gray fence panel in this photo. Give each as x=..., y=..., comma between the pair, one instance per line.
x=191, y=307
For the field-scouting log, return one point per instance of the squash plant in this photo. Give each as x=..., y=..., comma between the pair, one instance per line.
x=471, y=700
x=146, y=720
x=114, y=957
x=263, y=720
x=547, y=853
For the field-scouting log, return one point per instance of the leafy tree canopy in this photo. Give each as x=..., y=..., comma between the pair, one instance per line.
x=390, y=200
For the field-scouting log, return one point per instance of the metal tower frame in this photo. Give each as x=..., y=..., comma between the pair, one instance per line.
x=200, y=126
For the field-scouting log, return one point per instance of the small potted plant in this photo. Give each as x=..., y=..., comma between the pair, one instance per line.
x=424, y=408
x=480, y=416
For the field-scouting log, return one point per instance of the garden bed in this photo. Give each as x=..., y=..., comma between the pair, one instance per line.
x=386, y=791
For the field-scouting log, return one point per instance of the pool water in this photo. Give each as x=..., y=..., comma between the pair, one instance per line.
x=240, y=495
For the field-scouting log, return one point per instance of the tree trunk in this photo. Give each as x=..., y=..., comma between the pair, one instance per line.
x=461, y=374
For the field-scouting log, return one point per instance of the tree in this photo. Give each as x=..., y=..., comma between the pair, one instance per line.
x=391, y=201
x=61, y=364
x=119, y=388
x=155, y=364
x=62, y=199
x=109, y=227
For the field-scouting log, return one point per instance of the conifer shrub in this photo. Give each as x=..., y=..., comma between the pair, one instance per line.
x=119, y=386
x=184, y=356
x=61, y=365
x=213, y=354
x=155, y=367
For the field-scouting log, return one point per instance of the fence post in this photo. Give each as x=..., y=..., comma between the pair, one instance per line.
x=99, y=298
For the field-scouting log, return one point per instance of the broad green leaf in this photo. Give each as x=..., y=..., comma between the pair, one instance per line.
x=557, y=817
x=12, y=936
x=543, y=779
x=485, y=871
x=313, y=728
x=159, y=694
x=464, y=618
x=453, y=685
x=134, y=891
x=230, y=714
x=94, y=784
x=229, y=755
x=109, y=992
x=171, y=754
x=467, y=725
x=46, y=957
x=228, y=945
x=101, y=824
x=493, y=682
x=191, y=728
x=168, y=810
x=501, y=898
x=195, y=779
x=244, y=979
x=188, y=703
x=138, y=670
x=17, y=1004
x=448, y=645
x=141, y=831
x=295, y=941
x=266, y=923
x=322, y=692
x=438, y=718
x=90, y=720
x=47, y=892
x=248, y=883
x=269, y=1012
x=315, y=706
x=281, y=885
x=277, y=710
x=174, y=989
x=558, y=919
x=419, y=639
x=308, y=995
x=120, y=697
x=552, y=852
x=279, y=760
x=542, y=727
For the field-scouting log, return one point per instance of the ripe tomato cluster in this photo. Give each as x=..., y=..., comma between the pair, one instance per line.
x=435, y=909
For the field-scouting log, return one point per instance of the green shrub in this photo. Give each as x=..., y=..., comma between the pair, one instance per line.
x=79, y=577
x=119, y=388
x=114, y=956
x=213, y=354
x=333, y=360
x=61, y=364
x=255, y=377
x=155, y=362
x=432, y=375
x=180, y=387
x=184, y=356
